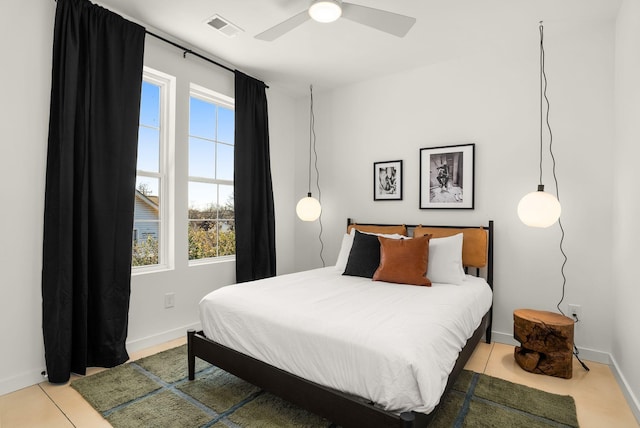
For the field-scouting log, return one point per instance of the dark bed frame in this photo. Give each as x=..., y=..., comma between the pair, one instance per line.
x=338, y=407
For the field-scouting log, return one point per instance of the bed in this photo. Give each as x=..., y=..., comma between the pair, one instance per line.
x=359, y=352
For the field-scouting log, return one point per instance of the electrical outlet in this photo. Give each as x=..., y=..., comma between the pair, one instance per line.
x=575, y=312
x=169, y=300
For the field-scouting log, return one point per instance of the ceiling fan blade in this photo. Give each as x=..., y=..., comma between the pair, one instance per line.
x=382, y=20
x=284, y=27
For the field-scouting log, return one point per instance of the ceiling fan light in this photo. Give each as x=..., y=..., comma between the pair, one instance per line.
x=325, y=10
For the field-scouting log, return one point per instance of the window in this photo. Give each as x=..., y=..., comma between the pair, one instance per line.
x=151, y=239
x=211, y=208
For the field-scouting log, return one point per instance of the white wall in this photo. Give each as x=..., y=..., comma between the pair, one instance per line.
x=26, y=42
x=26, y=45
x=490, y=98
x=626, y=202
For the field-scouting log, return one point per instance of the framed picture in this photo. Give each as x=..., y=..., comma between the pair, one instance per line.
x=447, y=177
x=387, y=181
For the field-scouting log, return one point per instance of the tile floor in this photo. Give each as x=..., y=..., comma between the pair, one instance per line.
x=599, y=400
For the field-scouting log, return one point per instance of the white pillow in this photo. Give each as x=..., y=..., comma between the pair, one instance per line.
x=347, y=243
x=345, y=249
x=445, y=260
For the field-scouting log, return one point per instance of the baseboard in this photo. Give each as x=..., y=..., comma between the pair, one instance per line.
x=632, y=400
x=34, y=377
x=21, y=381
x=157, y=339
x=505, y=338
x=584, y=353
x=590, y=355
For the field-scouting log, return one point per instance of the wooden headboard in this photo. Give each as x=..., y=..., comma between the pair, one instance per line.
x=477, y=246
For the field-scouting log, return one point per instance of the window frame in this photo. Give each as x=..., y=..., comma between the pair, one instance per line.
x=209, y=96
x=166, y=172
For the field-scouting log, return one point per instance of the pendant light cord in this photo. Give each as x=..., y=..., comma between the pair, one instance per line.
x=543, y=91
x=312, y=139
x=312, y=143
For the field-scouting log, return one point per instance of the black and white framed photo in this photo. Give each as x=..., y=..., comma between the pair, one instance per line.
x=447, y=177
x=387, y=181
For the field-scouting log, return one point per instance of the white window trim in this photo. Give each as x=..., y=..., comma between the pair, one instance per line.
x=166, y=247
x=210, y=96
x=212, y=260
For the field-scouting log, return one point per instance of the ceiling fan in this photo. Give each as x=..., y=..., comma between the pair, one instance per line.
x=331, y=10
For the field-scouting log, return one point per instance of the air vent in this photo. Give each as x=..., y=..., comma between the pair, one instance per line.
x=223, y=25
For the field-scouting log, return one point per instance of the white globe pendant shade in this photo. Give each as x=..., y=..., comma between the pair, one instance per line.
x=325, y=10
x=539, y=209
x=308, y=209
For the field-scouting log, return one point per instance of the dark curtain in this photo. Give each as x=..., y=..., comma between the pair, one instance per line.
x=90, y=184
x=254, y=213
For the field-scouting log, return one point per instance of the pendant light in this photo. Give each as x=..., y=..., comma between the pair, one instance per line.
x=540, y=208
x=309, y=209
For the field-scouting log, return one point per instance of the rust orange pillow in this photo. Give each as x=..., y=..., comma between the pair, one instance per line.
x=403, y=261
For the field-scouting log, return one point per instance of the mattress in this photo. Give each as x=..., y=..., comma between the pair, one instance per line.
x=393, y=344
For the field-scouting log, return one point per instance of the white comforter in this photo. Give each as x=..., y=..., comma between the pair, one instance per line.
x=390, y=343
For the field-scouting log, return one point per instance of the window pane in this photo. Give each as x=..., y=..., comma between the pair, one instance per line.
x=149, y=187
x=211, y=239
x=226, y=127
x=203, y=239
x=203, y=200
x=226, y=238
x=224, y=170
x=146, y=222
x=150, y=105
x=148, y=149
x=202, y=158
x=202, y=119
x=226, y=202
x=144, y=249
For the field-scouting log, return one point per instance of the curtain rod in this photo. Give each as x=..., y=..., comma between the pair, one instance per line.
x=189, y=51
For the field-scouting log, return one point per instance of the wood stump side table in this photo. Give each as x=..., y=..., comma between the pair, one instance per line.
x=547, y=342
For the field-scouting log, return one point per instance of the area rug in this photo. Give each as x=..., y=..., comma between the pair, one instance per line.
x=155, y=392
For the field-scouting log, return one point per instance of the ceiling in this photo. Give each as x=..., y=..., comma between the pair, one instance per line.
x=344, y=52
